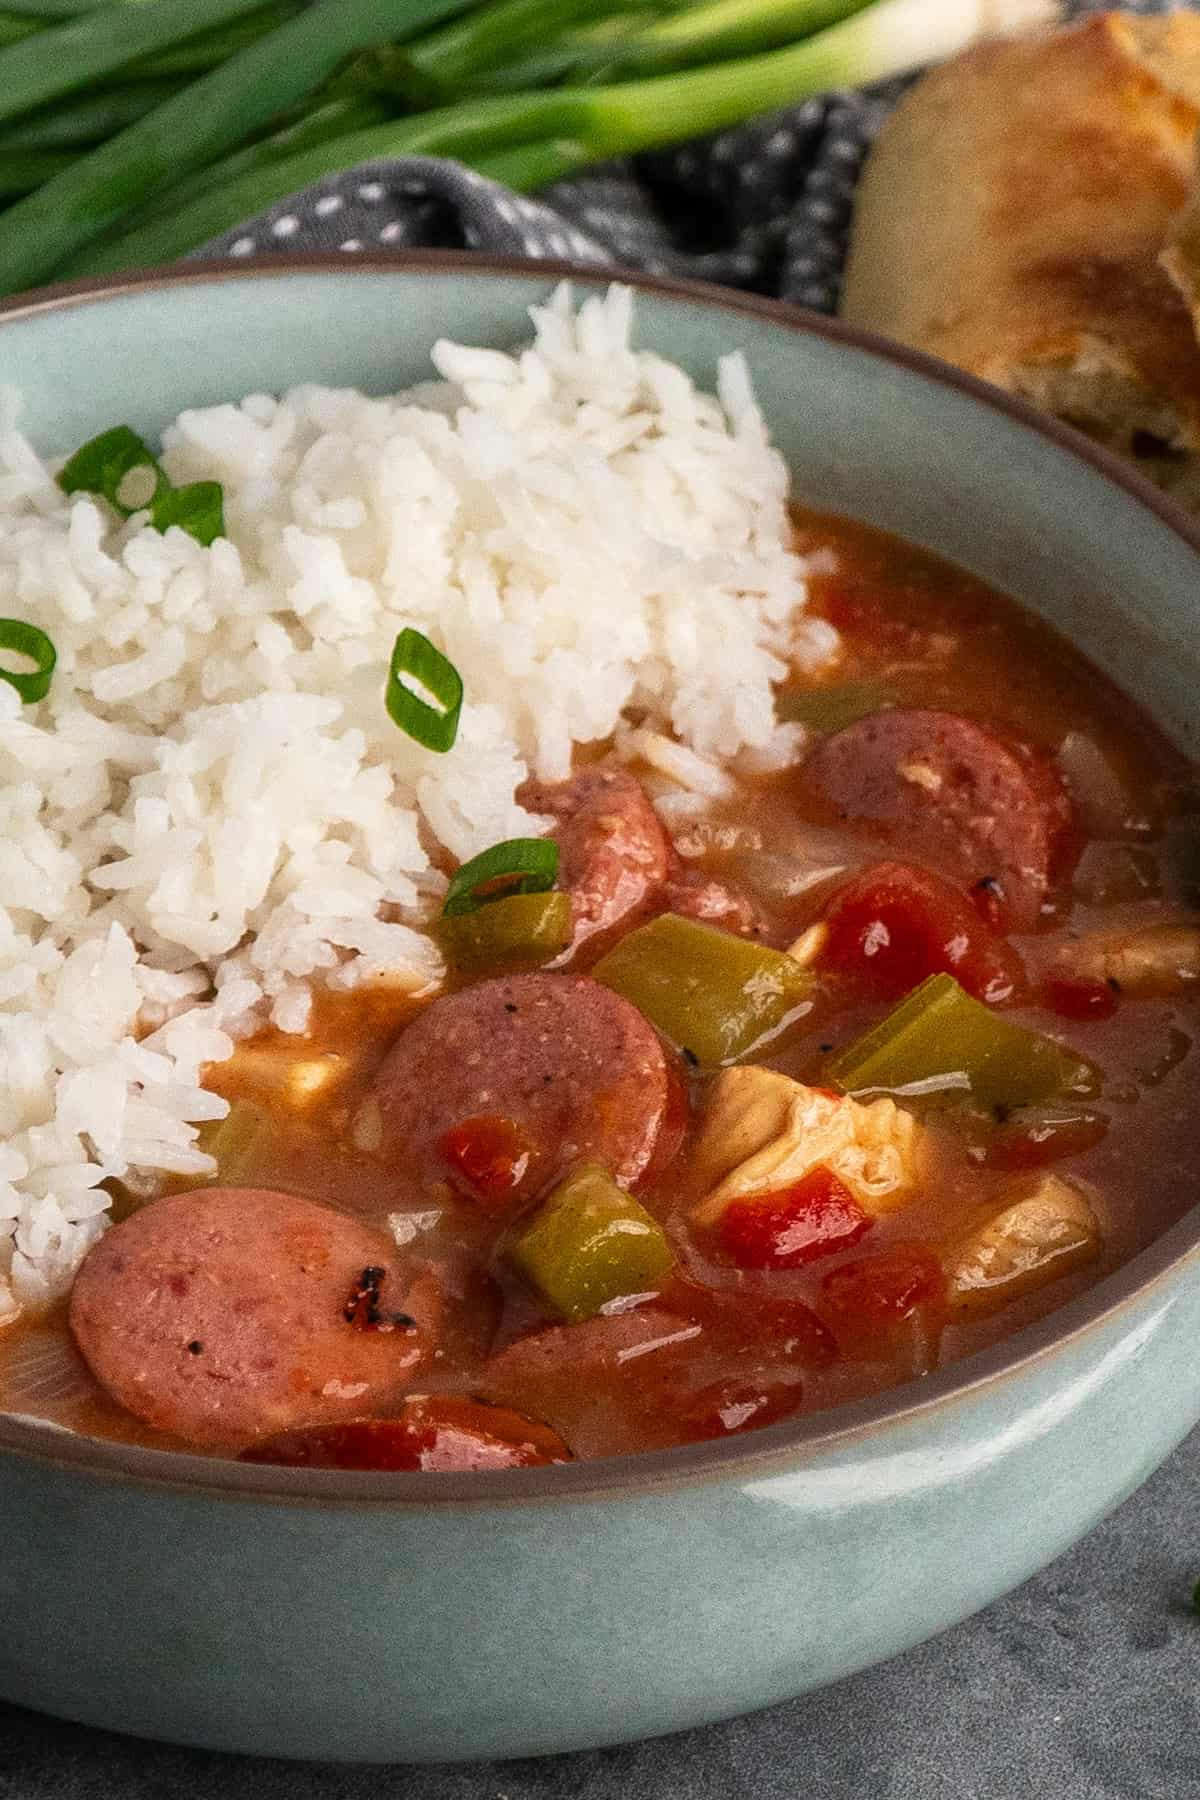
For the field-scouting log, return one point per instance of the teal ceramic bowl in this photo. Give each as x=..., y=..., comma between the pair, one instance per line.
x=315, y=1614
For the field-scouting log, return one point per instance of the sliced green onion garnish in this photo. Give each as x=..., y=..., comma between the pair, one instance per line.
x=101, y=465
x=121, y=467
x=434, y=726
x=518, y=866
x=27, y=640
x=198, y=508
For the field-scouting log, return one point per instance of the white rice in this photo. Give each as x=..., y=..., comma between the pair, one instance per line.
x=212, y=811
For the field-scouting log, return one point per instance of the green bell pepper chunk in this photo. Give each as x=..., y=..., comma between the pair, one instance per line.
x=833, y=708
x=591, y=1243
x=940, y=1040
x=522, y=928
x=713, y=994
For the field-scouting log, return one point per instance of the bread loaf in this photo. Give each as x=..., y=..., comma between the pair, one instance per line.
x=1027, y=215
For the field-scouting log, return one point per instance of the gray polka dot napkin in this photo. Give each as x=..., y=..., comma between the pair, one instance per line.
x=764, y=207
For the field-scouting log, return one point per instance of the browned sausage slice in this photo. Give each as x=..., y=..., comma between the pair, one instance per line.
x=942, y=785
x=436, y=1432
x=613, y=852
x=228, y=1314
x=694, y=895
x=615, y=1381
x=573, y=1070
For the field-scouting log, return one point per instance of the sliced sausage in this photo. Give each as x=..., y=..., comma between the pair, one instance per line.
x=225, y=1315
x=613, y=852
x=694, y=895
x=643, y=1379
x=542, y=1070
x=612, y=1381
x=437, y=1432
x=990, y=808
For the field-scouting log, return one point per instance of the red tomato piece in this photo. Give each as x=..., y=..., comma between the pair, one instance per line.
x=870, y=1300
x=894, y=924
x=489, y=1155
x=816, y=1217
x=738, y=1405
x=750, y=1323
x=1078, y=998
x=864, y=610
x=987, y=897
x=436, y=1432
x=1031, y=1140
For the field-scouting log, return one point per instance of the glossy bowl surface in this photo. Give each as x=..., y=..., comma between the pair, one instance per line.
x=314, y=1614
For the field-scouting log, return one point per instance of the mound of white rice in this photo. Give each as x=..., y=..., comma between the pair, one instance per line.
x=212, y=810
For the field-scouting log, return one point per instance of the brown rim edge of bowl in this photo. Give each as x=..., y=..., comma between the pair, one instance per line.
x=777, y=1448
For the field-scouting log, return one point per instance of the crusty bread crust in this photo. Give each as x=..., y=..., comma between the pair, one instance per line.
x=1013, y=220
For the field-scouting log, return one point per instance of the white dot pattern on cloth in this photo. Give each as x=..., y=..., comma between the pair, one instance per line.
x=765, y=206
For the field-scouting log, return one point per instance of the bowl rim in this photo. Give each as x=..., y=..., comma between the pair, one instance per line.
x=777, y=1450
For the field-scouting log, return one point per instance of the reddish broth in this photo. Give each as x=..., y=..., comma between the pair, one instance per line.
x=715, y=1347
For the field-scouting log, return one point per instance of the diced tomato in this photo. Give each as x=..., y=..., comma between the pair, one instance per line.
x=987, y=897
x=870, y=1300
x=750, y=1323
x=489, y=1155
x=865, y=612
x=895, y=924
x=1035, y=1137
x=1078, y=998
x=797, y=1225
x=437, y=1432
x=738, y=1405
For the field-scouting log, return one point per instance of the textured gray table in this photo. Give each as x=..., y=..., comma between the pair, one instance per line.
x=1083, y=1685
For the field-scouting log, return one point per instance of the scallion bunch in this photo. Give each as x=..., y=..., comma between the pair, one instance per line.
x=133, y=130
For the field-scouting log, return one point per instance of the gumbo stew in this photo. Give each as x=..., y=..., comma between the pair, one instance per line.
x=843, y=1072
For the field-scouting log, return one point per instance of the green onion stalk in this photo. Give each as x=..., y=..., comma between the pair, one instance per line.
x=79, y=121
x=209, y=49
x=701, y=34
x=21, y=171
x=492, y=36
x=56, y=11
x=532, y=166
x=88, y=48
x=585, y=124
x=498, y=35
x=588, y=55
x=735, y=28
x=15, y=30
x=196, y=126
x=332, y=119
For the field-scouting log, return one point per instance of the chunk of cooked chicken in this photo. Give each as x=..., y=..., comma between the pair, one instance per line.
x=762, y=1132
x=1152, y=959
x=1041, y=1231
